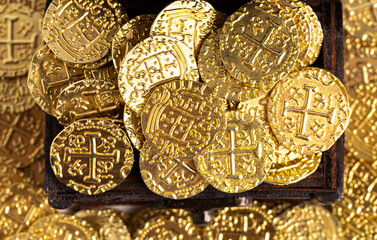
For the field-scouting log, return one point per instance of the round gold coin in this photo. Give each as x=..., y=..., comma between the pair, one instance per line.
x=82, y=32
x=240, y=158
x=214, y=74
x=106, y=73
x=259, y=44
x=14, y=95
x=24, y=236
x=308, y=110
x=88, y=98
x=130, y=34
x=48, y=76
x=153, y=61
x=184, y=116
x=91, y=156
x=132, y=124
x=20, y=206
x=61, y=226
x=188, y=21
x=168, y=175
x=19, y=38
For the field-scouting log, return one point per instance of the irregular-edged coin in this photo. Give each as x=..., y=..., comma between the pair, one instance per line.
x=106, y=72
x=91, y=156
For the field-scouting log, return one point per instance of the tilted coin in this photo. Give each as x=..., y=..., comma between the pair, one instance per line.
x=22, y=136
x=189, y=21
x=48, y=76
x=88, y=98
x=239, y=160
x=259, y=44
x=130, y=34
x=153, y=61
x=92, y=65
x=91, y=156
x=106, y=222
x=61, y=226
x=20, y=206
x=132, y=125
x=214, y=74
x=15, y=96
x=106, y=72
x=81, y=32
x=19, y=38
x=169, y=175
x=184, y=116
x=308, y=110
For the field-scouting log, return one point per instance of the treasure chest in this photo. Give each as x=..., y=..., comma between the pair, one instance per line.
x=324, y=185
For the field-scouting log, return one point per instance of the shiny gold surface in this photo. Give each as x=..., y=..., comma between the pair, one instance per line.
x=132, y=124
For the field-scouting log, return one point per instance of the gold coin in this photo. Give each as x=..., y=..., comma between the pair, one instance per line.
x=81, y=32
x=22, y=136
x=293, y=170
x=214, y=74
x=129, y=35
x=10, y=175
x=358, y=47
x=15, y=96
x=259, y=44
x=19, y=38
x=132, y=124
x=359, y=70
x=249, y=222
x=24, y=236
x=34, y=5
x=48, y=76
x=188, y=21
x=92, y=65
x=87, y=99
x=106, y=222
x=184, y=116
x=106, y=72
x=20, y=206
x=153, y=61
x=171, y=228
x=35, y=172
x=219, y=20
x=308, y=110
x=168, y=175
x=61, y=226
x=239, y=160
x=91, y=156
x=307, y=222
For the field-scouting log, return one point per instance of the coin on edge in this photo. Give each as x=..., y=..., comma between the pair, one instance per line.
x=308, y=110
x=91, y=156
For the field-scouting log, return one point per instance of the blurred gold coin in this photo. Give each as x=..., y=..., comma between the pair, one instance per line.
x=259, y=44
x=308, y=110
x=48, y=76
x=24, y=236
x=82, y=32
x=151, y=62
x=87, y=99
x=34, y=5
x=10, y=175
x=15, y=96
x=130, y=34
x=132, y=124
x=91, y=156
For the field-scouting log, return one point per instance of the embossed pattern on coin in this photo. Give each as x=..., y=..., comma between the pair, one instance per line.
x=259, y=44
x=19, y=38
x=359, y=70
x=188, y=21
x=170, y=176
x=132, y=124
x=81, y=32
x=88, y=98
x=15, y=96
x=184, y=116
x=308, y=110
x=153, y=61
x=239, y=160
x=24, y=236
x=34, y=5
x=106, y=72
x=48, y=76
x=130, y=34
x=91, y=156
x=10, y=175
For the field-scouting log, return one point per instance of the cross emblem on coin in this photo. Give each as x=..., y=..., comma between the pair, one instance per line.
x=69, y=80
x=178, y=163
x=10, y=41
x=93, y=156
x=306, y=111
x=239, y=233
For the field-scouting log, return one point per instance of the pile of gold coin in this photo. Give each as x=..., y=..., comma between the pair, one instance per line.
x=229, y=101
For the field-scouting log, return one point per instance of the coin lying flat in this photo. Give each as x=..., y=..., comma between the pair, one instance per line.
x=132, y=124
x=168, y=175
x=19, y=38
x=259, y=44
x=91, y=156
x=184, y=116
x=48, y=76
x=153, y=61
x=188, y=21
x=81, y=32
x=308, y=110
x=130, y=34
x=88, y=98
x=239, y=160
